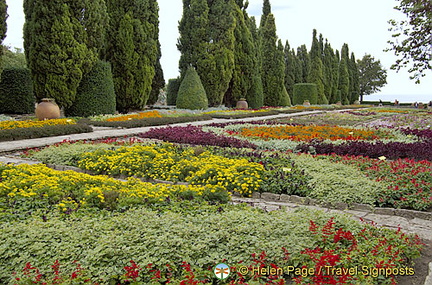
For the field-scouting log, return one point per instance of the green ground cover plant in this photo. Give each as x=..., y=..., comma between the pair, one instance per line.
x=179, y=234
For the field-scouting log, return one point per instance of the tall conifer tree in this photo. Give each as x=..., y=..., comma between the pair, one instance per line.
x=290, y=68
x=316, y=71
x=244, y=59
x=3, y=28
x=355, y=79
x=132, y=51
x=272, y=72
x=304, y=57
x=61, y=45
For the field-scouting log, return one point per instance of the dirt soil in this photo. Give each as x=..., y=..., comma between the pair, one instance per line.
x=421, y=267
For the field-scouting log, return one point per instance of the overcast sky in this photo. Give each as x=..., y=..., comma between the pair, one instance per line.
x=361, y=24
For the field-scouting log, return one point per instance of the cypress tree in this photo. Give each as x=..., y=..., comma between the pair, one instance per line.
x=305, y=61
x=255, y=95
x=194, y=38
x=272, y=64
x=216, y=68
x=132, y=50
x=344, y=82
x=244, y=60
x=57, y=48
x=290, y=68
x=266, y=10
x=355, y=84
x=3, y=28
x=316, y=71
x=158, y=82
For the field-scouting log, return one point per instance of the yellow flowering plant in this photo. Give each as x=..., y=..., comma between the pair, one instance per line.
x=169, y=163
x=7, y=125
x=69, y=190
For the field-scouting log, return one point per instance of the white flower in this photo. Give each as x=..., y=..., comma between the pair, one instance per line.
x=382, y=158
x=286, y=169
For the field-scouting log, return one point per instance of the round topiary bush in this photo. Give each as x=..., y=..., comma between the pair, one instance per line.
x=305, y=91
x=95, y=94
x=16, y=91
x=191, y=94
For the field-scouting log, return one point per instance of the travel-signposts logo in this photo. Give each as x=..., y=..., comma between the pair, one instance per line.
x=222, y=271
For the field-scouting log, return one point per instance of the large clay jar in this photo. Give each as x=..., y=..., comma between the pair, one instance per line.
x=47, y=109
x=242, y=104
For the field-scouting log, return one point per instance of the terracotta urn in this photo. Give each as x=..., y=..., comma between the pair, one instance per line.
x=242, y=104
x=47, y=109
x=306, y=103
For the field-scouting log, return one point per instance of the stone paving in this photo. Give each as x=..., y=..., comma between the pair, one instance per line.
x=409, y=221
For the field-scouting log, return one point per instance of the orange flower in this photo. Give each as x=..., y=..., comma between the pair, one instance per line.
x=308, y=133
x=141, y=115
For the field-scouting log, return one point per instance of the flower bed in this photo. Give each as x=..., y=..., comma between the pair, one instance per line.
x=184, y=244
x=8, y=125
x=34, y=187
x=194, y=135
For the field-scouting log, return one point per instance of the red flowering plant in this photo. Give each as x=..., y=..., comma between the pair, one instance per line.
x=410, y=181
x=344, y=257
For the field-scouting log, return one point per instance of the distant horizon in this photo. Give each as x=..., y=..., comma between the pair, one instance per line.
x=402, y=98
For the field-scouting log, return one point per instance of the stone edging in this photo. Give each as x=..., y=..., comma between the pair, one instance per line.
x=409, y=214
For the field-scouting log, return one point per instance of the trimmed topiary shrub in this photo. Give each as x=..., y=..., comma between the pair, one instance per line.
x=16, y=91
x=285, y=100
x=305, y=91
x=191, y=94
x=95, y=94
x=172, y=90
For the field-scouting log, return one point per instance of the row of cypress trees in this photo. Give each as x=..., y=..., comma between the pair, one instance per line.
x=335, y=73
x=63, y=40
x=234, y=58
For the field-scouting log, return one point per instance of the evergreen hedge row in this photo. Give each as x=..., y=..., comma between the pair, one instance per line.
x=147, y=122
x=245, y=115
x=16, y=91
x=305, y=91
x=95, y=94
x=39, y=132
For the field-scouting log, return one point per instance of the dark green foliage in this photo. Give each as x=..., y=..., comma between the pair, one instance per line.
x=305, y=61
x=290, y=68
x=191, y=94
x=216, y=68
x=255, y=95
x=245, y=60
x=412, y=38
x=95, y=94
x=147, y=122
x=372, y=76
x=285, y=99
x=62, y=42
x=172, y=90
x=157, y=84
x=13, y=58
x=316, y=76
x=354, y=80
x=193, y=41
x=16, y=91
x=3, y=29
x=272, y=70
x=132, y=50
x=245, y=115
x=344, y=83
x=305, y=91
x=40, y=132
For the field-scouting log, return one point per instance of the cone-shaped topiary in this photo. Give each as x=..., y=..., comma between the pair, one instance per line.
x=191, y=94
x=285, y=99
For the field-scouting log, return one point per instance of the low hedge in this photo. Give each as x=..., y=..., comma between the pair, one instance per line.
x=147, y=122
x=244, y=115
x=39, y=132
